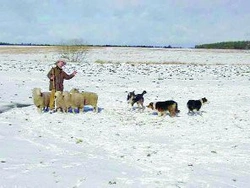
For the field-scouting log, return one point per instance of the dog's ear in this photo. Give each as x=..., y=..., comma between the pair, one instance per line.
x=150, y=105
x=204, y=99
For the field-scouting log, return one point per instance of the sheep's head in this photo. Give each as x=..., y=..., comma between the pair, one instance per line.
x=37, y=92
x=74, y=90
x=57, y=94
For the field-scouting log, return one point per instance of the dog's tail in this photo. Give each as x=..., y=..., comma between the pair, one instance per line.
x=144, y=92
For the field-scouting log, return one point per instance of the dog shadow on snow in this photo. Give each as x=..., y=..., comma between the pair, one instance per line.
x=198, y=113
x=135, y=108
x=165, y=115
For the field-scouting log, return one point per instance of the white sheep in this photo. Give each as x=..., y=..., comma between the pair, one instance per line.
x=77, y=101
x=65, y=100
x=40, y=99
x=62, y=101
x=90, y=98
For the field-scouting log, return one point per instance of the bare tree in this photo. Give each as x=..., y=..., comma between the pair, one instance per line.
x=74, y=50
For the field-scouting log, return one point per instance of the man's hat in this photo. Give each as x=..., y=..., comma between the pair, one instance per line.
x=61, y=60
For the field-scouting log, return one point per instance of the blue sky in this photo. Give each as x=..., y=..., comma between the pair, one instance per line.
x=125, y=22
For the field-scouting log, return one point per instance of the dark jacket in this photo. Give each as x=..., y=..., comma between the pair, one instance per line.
x=60, y=75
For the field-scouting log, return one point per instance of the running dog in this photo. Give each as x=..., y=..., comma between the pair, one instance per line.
x=163, y=106
x=195, y=104
x=133, y=98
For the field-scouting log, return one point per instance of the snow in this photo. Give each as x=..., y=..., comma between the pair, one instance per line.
x=122, y=146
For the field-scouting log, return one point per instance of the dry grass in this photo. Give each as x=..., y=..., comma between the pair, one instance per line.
x=33, y=49
x=26, y=49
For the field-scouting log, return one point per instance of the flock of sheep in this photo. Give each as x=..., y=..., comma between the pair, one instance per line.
x=64, y=101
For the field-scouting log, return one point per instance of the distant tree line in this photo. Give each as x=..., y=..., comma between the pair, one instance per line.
x=134, y=46
x=66, y=44
x=23, y=44
x=226, y=45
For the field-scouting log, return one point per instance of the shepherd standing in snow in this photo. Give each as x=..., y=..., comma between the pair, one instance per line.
x=56, y=76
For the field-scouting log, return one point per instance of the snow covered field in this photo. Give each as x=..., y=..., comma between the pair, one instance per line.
x=121, y=146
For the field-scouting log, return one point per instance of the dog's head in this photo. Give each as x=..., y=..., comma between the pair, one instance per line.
x=151, y=105
x=131, y=96
x=204, y=100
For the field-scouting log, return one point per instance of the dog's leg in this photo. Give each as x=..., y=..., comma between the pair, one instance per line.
x=140, y=105
x=143, y=108
x=199, y=113
x=173, y=114
x=189, y=112
x=172, y=111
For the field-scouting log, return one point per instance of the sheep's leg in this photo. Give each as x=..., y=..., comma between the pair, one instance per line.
x=74, y=110
x=39, y=110
x=96, y=109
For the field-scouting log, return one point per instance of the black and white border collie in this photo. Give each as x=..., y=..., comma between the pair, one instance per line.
x=163, y=106
x=195, y=104
x=133, y=98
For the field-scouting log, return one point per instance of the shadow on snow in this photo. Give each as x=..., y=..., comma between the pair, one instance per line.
x=7, y=107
